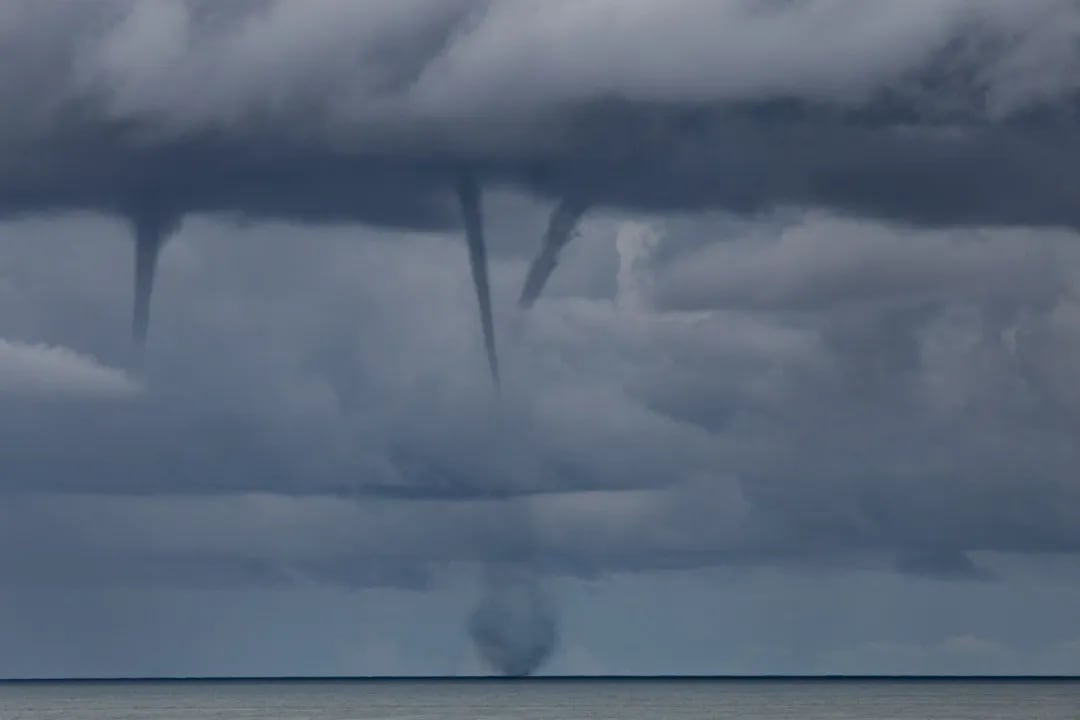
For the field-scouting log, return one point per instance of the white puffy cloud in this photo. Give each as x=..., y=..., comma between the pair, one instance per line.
x=28, y=370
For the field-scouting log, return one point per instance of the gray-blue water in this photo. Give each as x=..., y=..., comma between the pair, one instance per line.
x=545, y=700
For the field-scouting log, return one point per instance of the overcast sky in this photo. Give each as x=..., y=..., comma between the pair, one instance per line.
x=802, y=396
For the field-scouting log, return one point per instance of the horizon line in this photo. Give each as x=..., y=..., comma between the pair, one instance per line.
x=537, y=678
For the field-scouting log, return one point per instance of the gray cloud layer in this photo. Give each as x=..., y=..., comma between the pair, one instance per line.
x=864, y=358
x=816, y=415
x=951, y=111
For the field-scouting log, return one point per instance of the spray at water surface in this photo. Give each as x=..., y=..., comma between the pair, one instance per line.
x=515, y=624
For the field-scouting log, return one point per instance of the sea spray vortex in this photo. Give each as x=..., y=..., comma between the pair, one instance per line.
x=515, y=624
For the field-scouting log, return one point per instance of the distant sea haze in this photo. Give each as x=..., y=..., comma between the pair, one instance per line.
x=548, y=699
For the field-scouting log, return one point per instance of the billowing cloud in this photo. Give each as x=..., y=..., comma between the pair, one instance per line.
x=955, y=113
x=811, y=413
x=55, y=372
x=307, y=111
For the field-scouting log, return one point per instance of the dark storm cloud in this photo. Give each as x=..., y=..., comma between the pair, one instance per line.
x=952, y=112
x=948, y=112
x=771, y=430
x=210, y=176
x=747, y=161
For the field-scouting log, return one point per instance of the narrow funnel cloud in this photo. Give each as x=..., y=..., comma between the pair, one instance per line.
x=151, y=231
x=560, y=229
x=472, y=212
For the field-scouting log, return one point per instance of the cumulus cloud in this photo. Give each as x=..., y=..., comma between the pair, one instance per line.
x=909, y=425
x=444, y=60
x=54, y=372
x=817, y=262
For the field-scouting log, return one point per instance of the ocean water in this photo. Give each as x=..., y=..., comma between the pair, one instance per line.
x=545, y=700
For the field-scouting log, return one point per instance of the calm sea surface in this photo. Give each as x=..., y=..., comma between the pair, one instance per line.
x=546, y=699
